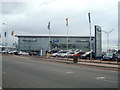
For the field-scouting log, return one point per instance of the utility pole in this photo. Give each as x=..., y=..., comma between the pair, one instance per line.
x=49, y=34
x=90, y=36
x=67, y=34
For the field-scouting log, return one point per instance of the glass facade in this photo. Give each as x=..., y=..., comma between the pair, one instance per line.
x=36, y=43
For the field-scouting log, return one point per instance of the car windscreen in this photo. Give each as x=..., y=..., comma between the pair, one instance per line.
x=109, y=54
x=87, y=52
x=72, y=52
x=63, y=52
x=81, y=53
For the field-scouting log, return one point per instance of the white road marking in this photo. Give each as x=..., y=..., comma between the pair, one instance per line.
x=22, y=57
x=4, y=72
x=104, y=79
x=111, y=81
x=100, y=77
x=69, y=72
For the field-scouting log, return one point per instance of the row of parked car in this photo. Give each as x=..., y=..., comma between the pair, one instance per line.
x=112, y=56
x=15, y=52
x=71, y=54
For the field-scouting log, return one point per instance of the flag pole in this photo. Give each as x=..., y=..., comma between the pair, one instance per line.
x=49, y=39
x=67, y=34
x=67, y=42
x=49, y=34
x=12, y=34
x=90, y=36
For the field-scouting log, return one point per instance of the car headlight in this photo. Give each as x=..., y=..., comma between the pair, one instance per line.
x=110, y=56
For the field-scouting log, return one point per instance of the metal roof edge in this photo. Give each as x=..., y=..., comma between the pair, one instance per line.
x=52, y=35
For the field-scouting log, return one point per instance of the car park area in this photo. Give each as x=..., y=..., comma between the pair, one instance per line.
x=71, y=55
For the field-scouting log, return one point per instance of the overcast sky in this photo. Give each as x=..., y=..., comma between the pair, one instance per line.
x=33, y=17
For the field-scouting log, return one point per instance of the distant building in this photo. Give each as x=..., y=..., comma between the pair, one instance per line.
x=38, y=42
x=2, y=48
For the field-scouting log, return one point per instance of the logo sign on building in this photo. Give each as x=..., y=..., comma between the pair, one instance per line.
x=98, y=41
x=55, y=40
x=82, y=40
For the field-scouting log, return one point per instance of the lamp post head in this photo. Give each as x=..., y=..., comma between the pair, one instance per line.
x=110, y=31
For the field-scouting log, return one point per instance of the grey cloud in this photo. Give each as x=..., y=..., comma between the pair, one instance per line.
x=30, y=18
x=12, y=7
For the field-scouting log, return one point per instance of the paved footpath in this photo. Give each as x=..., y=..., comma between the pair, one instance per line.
x=109, y=65
x=100, y=64
x=92, y=63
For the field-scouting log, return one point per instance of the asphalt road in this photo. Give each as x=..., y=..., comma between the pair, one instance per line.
x=22, y=72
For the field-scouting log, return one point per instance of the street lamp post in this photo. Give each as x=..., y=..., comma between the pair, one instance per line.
x=108, y=37
x=67, y=35
x=90, y=35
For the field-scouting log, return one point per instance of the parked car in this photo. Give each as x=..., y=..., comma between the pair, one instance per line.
x=109, y=56
x=54, y=51
x=3, y=52
x=77, y=54
x=21, y=53
x=33, y=53
x=55, y=54
x=12, y=52
x=117, y=56
x=62, y=54
x=87, y=55
x=70, y=55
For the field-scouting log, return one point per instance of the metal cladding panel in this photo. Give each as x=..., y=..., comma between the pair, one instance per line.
x=98, y=41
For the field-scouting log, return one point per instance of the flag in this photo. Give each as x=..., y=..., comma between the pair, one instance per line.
x=48, y=25
x=89, y=17
x=5, y=34
x=12, y=33
x=66, y=21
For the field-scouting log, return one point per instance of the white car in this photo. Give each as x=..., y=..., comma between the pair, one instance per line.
x=2, y=52
x=54, y=54
x=23, y=53
x=63, y=54
x=12, y=52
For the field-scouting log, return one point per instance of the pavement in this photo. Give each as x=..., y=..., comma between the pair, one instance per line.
x=100, y=64
x=83, y=62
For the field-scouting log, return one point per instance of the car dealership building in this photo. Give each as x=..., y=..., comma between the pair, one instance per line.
x=38, y=42
x=47, y=42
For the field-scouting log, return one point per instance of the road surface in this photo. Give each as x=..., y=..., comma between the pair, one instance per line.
x=22, y=72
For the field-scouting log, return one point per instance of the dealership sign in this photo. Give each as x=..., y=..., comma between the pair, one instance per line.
x=55, y=40
x=98, y=41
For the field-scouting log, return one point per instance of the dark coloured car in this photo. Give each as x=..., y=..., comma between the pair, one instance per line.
x=117, y=57
x=109, y=56
x=33, y=53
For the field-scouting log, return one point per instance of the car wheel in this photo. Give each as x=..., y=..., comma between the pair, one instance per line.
x=65, y=56
x=87, y=57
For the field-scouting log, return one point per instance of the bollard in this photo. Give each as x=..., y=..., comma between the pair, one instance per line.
x=75, y=59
